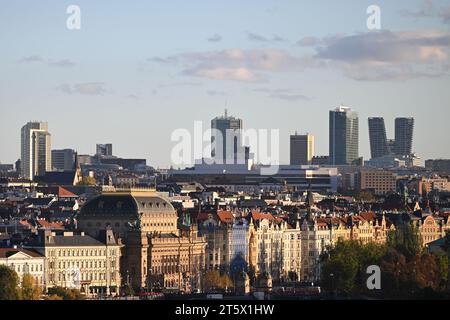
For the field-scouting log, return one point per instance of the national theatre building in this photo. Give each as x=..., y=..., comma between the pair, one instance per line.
x=159, y=251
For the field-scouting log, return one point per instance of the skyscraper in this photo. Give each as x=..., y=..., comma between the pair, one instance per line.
x=404, y=128
x=104, y=150
x=226, y=139
x=302, y=149
x=379, y=146
x=36, y=157
x=63, y=160
x=344, y=136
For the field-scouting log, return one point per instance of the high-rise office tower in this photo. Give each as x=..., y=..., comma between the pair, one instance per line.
x=344, y=136
x=104, y=150
x=302, y=149
x=379, y=146
x=226, y=140
x=36, y=157
x=404, y=128
x=63, y=160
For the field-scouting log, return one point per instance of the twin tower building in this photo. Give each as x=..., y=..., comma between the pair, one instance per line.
x=344, y=140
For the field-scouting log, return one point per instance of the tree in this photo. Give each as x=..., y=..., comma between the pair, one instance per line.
x=213, y=280
x=406, y=239
x=8, y=284
x=53, y=297
x=29, y=289
x=128, y=290
x=66, y=294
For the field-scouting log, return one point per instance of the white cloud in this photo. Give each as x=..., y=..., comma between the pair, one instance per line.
x=257, y=37
x=29, y=59
x=221, y=73
x=85, y=88
x=388, y=55
x=240, y=64
x=64, y=63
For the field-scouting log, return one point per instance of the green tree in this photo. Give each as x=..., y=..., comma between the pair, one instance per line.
x=128, y=290
x=406, y=239
x=29, y=289
x=8, y=284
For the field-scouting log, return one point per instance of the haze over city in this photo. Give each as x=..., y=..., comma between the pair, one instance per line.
x=135, y=72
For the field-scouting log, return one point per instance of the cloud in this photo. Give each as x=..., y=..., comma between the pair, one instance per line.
x=388, y=55
x=215, y=38
x=256, y=37
x=241, y=65
x=132, y=97
x=314, y=41
x=429, y=10
x=289, y=97
x=371, y=56
x=29, y=59
x=221, y=73
x=64, y=63
x=426, y=10
x=179, y=84
x=445, y=14
x=85, y=88
x=216, y=93
x=308, y=41
x=166, y=60
x=283, y=94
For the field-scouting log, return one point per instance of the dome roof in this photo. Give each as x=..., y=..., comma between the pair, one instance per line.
x=130, y=204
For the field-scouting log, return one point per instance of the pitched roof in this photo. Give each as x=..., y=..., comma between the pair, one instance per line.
x=7, y=252
x=75, y=240
x=49, y=225
x=261, y=216
x=225, y=216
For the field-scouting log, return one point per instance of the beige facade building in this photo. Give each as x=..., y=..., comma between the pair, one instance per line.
x=25, y=261
x=379, y=181
x=159, y=250
x=81, y=262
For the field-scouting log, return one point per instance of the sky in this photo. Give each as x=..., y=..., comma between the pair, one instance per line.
x=136, y=71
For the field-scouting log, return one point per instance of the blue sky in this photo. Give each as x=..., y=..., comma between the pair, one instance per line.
x=137, y=71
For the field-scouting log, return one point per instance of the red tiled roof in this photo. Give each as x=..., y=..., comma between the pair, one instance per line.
x=60, y=192
x=225, y=216
x=369, y=216
x=261, y=216
x=50, y=225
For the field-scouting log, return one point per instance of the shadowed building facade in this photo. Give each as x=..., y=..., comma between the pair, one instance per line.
x=158, y=252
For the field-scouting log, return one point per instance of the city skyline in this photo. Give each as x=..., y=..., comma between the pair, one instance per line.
x=129, y=81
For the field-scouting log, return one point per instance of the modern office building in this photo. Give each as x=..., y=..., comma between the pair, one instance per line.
x=63, y=160
x=344, y=136
x=379, y=145
x=226, y=140
x=104, y=150
x=404, y=128
x=36, y=157
x=301, y=149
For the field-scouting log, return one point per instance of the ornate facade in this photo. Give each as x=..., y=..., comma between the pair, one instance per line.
x=158, y=252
